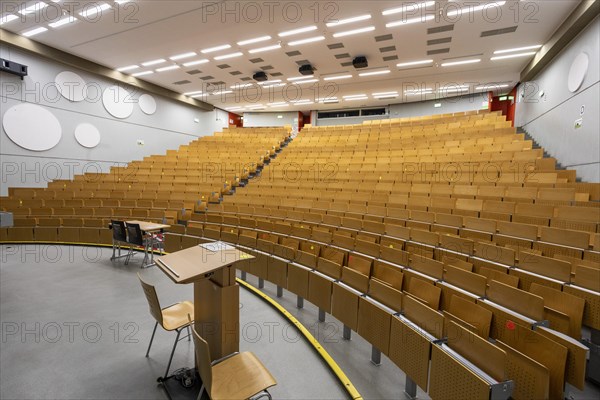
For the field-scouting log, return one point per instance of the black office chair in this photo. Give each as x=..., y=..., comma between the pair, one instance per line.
x=119, y=235
x=136, y=238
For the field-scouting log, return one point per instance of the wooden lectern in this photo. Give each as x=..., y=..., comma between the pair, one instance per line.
x=210, y=267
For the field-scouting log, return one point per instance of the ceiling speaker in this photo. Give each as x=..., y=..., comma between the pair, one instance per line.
x=260, y=76
x=360, y=62
x=306, y=69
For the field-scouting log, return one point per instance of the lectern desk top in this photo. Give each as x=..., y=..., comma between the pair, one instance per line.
x=149, y=226
x=200, y=261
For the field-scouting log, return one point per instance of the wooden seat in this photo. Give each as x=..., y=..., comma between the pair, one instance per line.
x=240, y=376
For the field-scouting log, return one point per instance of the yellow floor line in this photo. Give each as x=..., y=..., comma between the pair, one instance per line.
x=335, y=368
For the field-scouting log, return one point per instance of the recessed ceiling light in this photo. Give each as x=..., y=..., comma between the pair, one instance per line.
x=409, y=21
x=267, y=48
x=332, y=78
x=460, y=11
x=309, y=40
x=184, y=55
x=327, y=99
x=117, y=1
x=416, y=93
x=193, y=93
x=411, y=63
x=306, y=81
x=226, y=56
x=7, y=18
x=386, y=93
x=93, y=8
x=299, y=78
x=349, y=20
x=241, y=85
x=128, y=68
x=354, y=95
x=269, y=85
x=63, y=21
x=409, y=7
x=154, y=62
x=371, y=73
x=222, y=92
x=197, y=62
x=354, y=31
x=451, y=63
x=279, y=103
x=267, y=82
x=537, y=46
x=357, y=98
x=297, y=31
x=195, y=96
x=34, y=8
x=255, y=40
x=213, y=49
x=453, y=89
x=34, y=32
x=142, y=73
x=169, y=68
x=529, y=53
x=492, y=86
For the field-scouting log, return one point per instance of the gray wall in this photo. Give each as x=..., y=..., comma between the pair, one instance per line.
x=462, y=103
x=172, y=125
x=551, y=119
x=263, y=119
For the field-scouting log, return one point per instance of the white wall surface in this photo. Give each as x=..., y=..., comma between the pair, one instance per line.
x=551, y=119
x=171, y=126
x=265, y=119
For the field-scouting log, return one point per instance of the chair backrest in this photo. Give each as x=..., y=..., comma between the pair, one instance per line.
x=203, y=360
x=153, y=303
x=135, y=234
x=119, y=231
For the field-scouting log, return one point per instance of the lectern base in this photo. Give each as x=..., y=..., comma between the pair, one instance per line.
x=176, y=391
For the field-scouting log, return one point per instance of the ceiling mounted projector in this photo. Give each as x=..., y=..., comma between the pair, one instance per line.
x=306, y=69
x=260, y=76
x=360, y=62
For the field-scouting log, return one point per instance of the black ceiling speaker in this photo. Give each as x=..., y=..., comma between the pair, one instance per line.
x=260, y=76
x=306, y=69
x=360, y=62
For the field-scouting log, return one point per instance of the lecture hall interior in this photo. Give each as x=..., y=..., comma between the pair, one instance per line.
x=325, y=199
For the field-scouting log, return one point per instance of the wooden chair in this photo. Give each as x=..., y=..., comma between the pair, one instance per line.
x=238, y=376
x=172, y=318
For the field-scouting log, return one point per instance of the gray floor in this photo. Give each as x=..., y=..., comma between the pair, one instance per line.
x=76, y=325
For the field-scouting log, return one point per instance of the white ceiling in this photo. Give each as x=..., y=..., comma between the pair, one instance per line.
x=137, y=31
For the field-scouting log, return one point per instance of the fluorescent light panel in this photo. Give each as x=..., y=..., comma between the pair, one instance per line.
x=197, y=62
x=267, y=48
x=537, y=46
x=169, y=68
x=193, y=93
x=411, y=7
x=226, y=56
x=128, y=68
x=409, y=21
x=91, y=11
x=299, y=78
x=530, y=53
x=154, y=62
x=7, y=18
x=184, y=55
x=354, y=31
x=142, y=73
x=309, y=40
x=332, y=78
x=349, y=20
x=222, y=92
x=306, y=81
x=357, y=98
x=411, y=63
x=492, y=86
x=217, y=48
x=267, y=82
x=460, y=11
x=451, y=63
x=354, y=95
x=255, y=40
x=33, y=8
x=33, y=32
x=62, y=21
x=297, y=31
x=385, y=93
x=371, y=73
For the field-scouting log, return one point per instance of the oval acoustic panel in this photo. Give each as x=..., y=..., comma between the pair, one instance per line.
x=71, y=86
x=147, y=104
x=87, y=135
x=117, y=101
x=32, y=127
x=577, y=73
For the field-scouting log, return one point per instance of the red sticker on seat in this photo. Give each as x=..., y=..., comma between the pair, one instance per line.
x=510, y=325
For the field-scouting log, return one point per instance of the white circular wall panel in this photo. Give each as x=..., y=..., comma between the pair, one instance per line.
x=87, y=135
x=32, y=127
x=117, y=101
x=577, y=73
x=71, y=86
x=147, y=104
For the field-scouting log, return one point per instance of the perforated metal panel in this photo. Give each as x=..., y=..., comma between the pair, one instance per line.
x=591, y=311
x=410, y=351
x=374, y=325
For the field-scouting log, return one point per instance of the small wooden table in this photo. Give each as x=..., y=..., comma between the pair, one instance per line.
x=149, y=228
x=210, y=267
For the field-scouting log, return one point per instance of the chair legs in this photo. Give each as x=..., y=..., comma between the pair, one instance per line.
x=152, y=338
x=172, y=353
x=200, y=392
